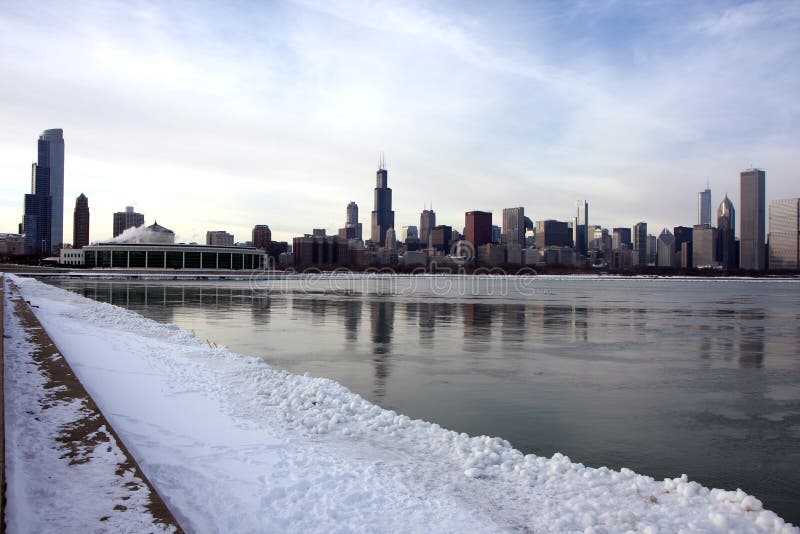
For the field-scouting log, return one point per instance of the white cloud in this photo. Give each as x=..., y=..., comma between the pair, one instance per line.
x=219, y=118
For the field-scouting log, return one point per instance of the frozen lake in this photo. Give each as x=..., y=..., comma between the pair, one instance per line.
x=664, y=376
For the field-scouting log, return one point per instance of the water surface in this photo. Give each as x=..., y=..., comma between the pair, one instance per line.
x=664, y=376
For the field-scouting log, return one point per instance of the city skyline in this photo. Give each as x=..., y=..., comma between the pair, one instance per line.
x=633, y=115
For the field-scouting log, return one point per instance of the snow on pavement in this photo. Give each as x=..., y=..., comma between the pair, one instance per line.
x=64, y=470
x=235, y=445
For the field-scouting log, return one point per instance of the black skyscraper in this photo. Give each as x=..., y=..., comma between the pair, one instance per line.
x=382, y=216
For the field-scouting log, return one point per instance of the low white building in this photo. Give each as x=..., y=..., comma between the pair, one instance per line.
x=71, y=256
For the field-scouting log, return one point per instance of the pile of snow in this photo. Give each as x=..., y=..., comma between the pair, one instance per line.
x=50, y=489
x=234, y=445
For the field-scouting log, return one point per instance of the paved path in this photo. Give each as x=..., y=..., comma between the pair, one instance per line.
x=75, y=439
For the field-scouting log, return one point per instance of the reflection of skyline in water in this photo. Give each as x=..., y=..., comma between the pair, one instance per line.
x=742, y=337
x=618, y=379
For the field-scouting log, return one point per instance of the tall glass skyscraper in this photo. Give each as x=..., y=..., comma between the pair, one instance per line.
x=44, y=206
x=382, y=216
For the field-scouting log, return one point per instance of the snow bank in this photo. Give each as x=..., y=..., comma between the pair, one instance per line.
x=234, y=445
x=50, y=486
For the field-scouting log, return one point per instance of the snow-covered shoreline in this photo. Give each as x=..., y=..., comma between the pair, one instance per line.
x=234, y=445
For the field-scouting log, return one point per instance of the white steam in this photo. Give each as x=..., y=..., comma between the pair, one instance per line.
x=143, y=234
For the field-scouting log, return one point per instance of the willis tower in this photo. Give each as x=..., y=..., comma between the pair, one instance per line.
x=382, y=216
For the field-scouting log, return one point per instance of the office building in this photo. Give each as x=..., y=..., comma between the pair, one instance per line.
x=621, y=239
x=580, y=227
x=666, y=249
x=391, y=239
x=478, y=228
x=704, y=207
x=427, y=220
x=80, y=222
x=552, y=233
x=514, y=226
x=262, y=236
x=127, y=219
x=352, y=222
x=727, y=253
x=44, y=206
x=321, y=252
x=440, y=238
x=640, y=243
x=408, y=232
x=219, y=238
x=704, y=246
x=752, y=253
x=784, y=234
x=497, y=234
x=382, y=216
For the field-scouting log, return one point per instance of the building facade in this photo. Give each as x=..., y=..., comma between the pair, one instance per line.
x=44, y=206
x=408, y=232
x=352, y=222
x=427, y=220
x=704, y=207
x=440, y=238
x=514, y=226
x=127, y=219
x=219, y=238
x=478, y=228
x=727, y=253
x=784, y=234
x=262, y=236
x=704, y=246
x=752, y=253
x=621, y=238
x=640, y=242
x=171, y=256
x=580, y=227
x=666, y=249
x=80, y=222
x=552, y=233
x=382, y=216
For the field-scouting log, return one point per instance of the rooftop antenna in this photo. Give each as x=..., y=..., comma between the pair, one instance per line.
x=708, y=182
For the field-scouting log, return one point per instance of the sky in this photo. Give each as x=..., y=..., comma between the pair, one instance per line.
x=220, y=116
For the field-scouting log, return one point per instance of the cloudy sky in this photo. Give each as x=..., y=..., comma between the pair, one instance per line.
x=222, y=116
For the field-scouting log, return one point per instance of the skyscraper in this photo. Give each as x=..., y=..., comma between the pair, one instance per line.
x=666, y=249
x=621, y=236
x=352, y=220
x=726, y=235
x=382, y=216
x=784, y=234
x=552, y=233
x=478, y=228
x=44, y=206
x=580, y=227
x=640, y=242
x=704, y=206
x=127, y=219
x=514, y=226
x=751, y=235
x=262, y=236
x=80, y=222
x=427, y=220
x=704, y=246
